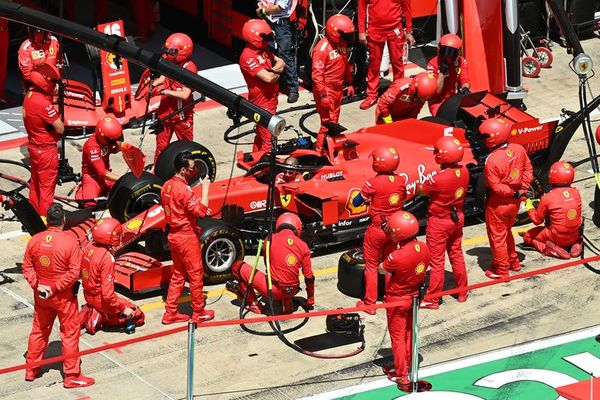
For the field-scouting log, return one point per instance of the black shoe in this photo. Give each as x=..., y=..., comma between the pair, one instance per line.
x=293, y=97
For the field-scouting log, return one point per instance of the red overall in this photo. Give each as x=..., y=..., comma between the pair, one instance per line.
x=53, y=258
x=384, y=20
x=560, y=208
x=182, y=209
x=330, y=69
x=456, y=77
x=289, y=255
x=261, y=93
x=183, y=123
x=507, y=170
x=33, y=54
x=400, y=101
x=98, y=277
x=386, y=193
x=406, y=269
x=38, y=114
x=447, y=191
x=95, y=163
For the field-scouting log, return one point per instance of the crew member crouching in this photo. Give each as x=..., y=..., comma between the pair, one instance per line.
x=405, y=98
x=104, y=308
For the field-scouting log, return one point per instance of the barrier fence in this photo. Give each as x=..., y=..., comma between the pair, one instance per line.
x=301, y=315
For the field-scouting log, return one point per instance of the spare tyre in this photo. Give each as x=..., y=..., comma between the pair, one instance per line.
x=351, y=275
x=221, y=247
x=130, y=195
x=165, y=169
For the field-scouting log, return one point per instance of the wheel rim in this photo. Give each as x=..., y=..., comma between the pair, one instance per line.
x=220, y=255
x=143, y=203
x=542, y=57
x=529, y=67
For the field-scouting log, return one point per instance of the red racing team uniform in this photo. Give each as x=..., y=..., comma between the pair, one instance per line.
x=53, y=258
x=182, y=208
x=447, y=192
x=507, y=170
x=399, y=101
x=330, y=69
x=386, y=192
x=38, y=114
x=98, y=279
x=382, y=21
x=456, y=77
x=182, y=124
x=95, y=163
x=32, y=54
x=406, y=268
x=261, y=93
x=560, y=208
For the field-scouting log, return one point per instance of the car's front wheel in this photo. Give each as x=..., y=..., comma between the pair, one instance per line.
x=221, y=247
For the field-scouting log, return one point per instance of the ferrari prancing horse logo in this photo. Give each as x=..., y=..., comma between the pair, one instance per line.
x=285, y=199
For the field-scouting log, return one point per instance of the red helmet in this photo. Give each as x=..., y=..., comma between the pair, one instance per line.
x=108, y=129
x=385, y=159
x=256, y=32
x=338, y=28
x=561, y=173
x=401, y=226
x=449, y=46
x=44, y=77
x=495, y=132
x=38, y=35
x=108, y=231
x=178, y=47
x=289, y=220
x=425, y=85
x=448, y=150
x=598, y=134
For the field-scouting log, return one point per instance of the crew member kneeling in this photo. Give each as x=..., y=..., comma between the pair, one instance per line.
x=405, y=98
x=405, y=268
x=288, y=256
x=104, y=308
x=560, y=208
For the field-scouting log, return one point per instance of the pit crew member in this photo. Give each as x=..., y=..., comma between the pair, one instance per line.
x=385, y=25
x=405, y=268
x=405, y=98
x=508, y=175
x=261, y=70
x=40, y=48
x=104, y=308
x=445, y=218
x=330, y=70
x=51, y=266
x=288, y=256
x=386, y=192
x=451, y=70
x=560, y=212
x=182, y=208
x=44, y=127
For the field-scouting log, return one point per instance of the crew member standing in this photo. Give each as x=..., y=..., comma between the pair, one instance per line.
x=51, y=266
x=508, y=175
x=178, y=49
x=104, y=308
x=182, y=209
x=405, y=98
x=381, y=22
x=451, y=70
x=405, y=268
x=44, y=127
x=40, y=48
x=386, y=192
x=288, y=256
x=560, y=210
x=261, y=71
x=445, y=218
x=97, y=179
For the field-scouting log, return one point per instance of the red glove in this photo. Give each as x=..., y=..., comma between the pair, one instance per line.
x=310, y=292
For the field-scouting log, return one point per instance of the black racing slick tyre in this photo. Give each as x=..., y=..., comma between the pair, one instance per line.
x=130, y=195
x=351, y=275
x=221, y=246
x=207, y=164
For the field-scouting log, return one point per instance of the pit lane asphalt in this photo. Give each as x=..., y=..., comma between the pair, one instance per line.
x=232, y=364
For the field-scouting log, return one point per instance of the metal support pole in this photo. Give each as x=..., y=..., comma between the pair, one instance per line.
x=415, y=384
x=190, y=363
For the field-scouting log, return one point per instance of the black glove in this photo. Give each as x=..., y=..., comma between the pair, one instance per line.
x=154, y=75
x=6, y=202
x=520, y=193
x=156, y=127
x=464, y=91
x=443, y=68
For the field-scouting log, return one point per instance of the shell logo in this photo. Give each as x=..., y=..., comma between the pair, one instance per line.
x=457, y=173
x=135, y=224
x=290, y=241
x=394, y=199
x=44, y=261
x=571, y=214
x=514, y=173
x=420, y=268
x=513, y=132
x=460, y=192
x=290, y=260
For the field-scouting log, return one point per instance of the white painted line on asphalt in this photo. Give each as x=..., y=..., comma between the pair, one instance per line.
x=12, y=119
x=24, y=301
x=465, y=362
x=12, y=234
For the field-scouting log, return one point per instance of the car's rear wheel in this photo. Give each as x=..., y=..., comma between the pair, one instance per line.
x=221, y=247
x=165, y=169
x=130, y=195
x=351, y=275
